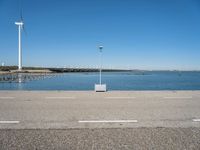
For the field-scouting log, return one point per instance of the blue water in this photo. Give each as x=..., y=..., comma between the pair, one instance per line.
x=150, y=80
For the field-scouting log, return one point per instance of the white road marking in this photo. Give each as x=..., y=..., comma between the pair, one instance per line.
x=6, y=97
x=9, y=122
x=108, y=121
x=119, y=97
x=189, y=97
x=60, y=97
x=196, y=120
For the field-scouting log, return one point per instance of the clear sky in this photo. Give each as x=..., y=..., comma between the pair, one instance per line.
x=139, y=34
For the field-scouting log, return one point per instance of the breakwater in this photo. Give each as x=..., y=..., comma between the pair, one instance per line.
x=24, y=77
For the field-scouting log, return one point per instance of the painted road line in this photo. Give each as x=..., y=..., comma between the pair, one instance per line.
x=108, y=121
x=60, y=97
x=196, y=120
x=9, y=122
x=119, y=97
x=189, y=97
x=7, y=97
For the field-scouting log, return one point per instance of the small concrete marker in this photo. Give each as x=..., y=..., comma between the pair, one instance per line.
x=108, y=121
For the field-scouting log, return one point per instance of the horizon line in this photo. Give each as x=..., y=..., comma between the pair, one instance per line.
x=105, y=68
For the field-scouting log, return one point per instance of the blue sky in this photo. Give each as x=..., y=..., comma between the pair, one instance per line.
x=139, y=34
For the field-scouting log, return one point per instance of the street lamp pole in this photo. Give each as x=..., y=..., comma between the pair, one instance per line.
x=100, y=67
x=100, y=87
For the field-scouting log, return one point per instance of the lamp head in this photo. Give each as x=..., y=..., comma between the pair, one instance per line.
x=100, y=47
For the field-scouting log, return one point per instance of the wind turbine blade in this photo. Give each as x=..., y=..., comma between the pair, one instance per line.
x=21, y=18
x=20, y=10
x=23, y=28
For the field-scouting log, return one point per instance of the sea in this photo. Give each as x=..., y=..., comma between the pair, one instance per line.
x=143, y=80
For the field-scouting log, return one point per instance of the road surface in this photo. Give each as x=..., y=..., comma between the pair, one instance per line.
x=110, y=120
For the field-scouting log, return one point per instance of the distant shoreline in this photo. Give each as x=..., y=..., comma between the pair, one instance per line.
x=13, y=69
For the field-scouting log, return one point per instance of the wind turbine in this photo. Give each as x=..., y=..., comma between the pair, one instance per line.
x=20, y=25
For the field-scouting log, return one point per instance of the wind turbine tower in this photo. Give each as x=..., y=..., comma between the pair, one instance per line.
x=20, y=27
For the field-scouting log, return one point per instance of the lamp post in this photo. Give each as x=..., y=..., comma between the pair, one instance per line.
x=100, y=87
x=100, y=67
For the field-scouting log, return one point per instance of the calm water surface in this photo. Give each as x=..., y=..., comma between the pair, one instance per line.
x=115, y=81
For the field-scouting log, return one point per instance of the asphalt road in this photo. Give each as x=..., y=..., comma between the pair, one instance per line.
x=89, y=120
x=102, y=139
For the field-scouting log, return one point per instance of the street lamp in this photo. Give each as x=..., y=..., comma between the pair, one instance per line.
x=100, y=67
x=100, y=87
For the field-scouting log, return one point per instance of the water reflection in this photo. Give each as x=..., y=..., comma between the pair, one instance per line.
x=19, y=78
